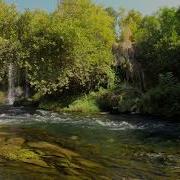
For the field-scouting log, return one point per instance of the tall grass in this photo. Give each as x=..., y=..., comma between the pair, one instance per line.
x=86, y=104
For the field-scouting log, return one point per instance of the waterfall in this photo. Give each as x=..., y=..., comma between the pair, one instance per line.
x=26, y=85
x=27, y=90
x=11, y=85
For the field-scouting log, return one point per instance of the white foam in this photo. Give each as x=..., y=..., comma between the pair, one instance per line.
x=123, y=125
x=82, y=122
x=2, y=115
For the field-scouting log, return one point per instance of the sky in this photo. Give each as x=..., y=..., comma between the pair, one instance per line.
x=145, y=6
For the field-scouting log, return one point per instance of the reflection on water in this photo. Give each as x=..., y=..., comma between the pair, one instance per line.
x=49, y=145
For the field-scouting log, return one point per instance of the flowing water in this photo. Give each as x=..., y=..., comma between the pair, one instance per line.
x=27, y=90
x=37, y=144
x=11, y=85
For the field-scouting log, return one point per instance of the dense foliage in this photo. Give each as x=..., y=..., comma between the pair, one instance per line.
x=155, y=41
x=68, y=53
x=60, y=50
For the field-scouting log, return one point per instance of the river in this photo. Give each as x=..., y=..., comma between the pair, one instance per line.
x=36, y=144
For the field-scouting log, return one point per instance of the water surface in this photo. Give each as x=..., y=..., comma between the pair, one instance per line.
x=66, y=146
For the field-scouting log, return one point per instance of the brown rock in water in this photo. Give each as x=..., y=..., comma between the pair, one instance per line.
x=74, y=137
x=16, y=141
x=2, y=139
x=89, y=164
x=15, y=152
x=53, y=149
x=37, y=162
x=70, y=171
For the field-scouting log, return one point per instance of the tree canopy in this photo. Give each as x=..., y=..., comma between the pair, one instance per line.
x=75, y=49
x=70, y=47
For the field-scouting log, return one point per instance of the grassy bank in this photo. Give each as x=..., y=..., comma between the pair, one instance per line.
x=161, y=101
x=81, y=104
x=118, y=100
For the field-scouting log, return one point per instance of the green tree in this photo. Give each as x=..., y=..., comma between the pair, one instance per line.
x=9, y=44
x=68, y=50
x=158, y=44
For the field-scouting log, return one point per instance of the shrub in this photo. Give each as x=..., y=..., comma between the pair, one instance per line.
x=163, y=99
x=86, y=104
x=123, y=98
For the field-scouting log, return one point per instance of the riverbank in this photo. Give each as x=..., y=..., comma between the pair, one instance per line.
x=158, y=102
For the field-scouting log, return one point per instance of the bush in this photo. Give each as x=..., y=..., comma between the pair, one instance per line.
x=122, y=99
x=86, y=104
x=83, y=104
x=163, y=99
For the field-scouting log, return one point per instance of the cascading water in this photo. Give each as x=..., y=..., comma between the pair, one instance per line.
x=11, y=85
x=27, y=90
x=26, y=86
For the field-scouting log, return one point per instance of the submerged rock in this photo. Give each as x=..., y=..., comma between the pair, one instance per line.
x=2, y=139
x=70, y=171
x=12, y=150
x=74, y=137
x=37, y=162
x=65, y=163
x=16, y=141
x=89, y=164
x=53, y=149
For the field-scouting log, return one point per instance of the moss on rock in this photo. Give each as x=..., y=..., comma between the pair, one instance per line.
x=12, y=150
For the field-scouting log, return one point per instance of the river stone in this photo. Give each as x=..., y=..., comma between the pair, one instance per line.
x=14, y=152
x=105, y=178
x=77, y=178
x=75, y=166
x=5, y=134
x=2, y=139
x=37, y=162
x=65, y=163
x=53, y=149
x=74, y=137
x=89, y=164
x=110, y=140
x=70, y=171
x=16, y=141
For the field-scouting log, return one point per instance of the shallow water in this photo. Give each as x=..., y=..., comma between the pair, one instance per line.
x=95, y=146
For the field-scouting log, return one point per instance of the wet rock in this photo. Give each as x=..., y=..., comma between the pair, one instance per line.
x=63, y=163
x=41, y=153
x=74, y=137
x=76, y=178
x=9, y=151
x=16, y=141
x=75, y=166
x=71, y=172
x=37, y=162
x=14, y=152
x=53, y=149
x=88, y=163
x=110, y=140
x=104, y=178
x=5, y=134
x=2, y=139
